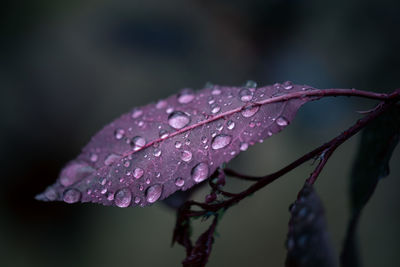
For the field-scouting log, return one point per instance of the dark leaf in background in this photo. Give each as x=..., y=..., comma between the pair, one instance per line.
x=200, y=253
x=151, y=152
x=308, y=243
x=377, y=144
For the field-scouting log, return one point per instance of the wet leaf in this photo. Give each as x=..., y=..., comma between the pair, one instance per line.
x=377, y=144
x=308, y=243
x=153, y=151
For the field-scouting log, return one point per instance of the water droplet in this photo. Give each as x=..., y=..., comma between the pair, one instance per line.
x=287, y=85
x=281, y=121
x=200, y=172
x=157, y=152
x=178, y=144
x=215, y=109
x=103, y=181
x=94, y=157
x=110, y=196
x=110, y=159
x=245, y=95
x=127, y=164
x=186, y=156
x=153, y=193
x=119, y=133
x=137, y=113
x=220, y=127
x=269, y=133
x=221, y=141
x=123, y=197
x=169, y=110
x=216, y=91
x=252, y=124
x=148, y=181
x=230, y=125
x=137, y=200
x=140, y=123
x=244, y=146
x=138, y=172
x=137, y=142
x=178, y=120
x=103, y=191
x=187, y=142
x=161, y=104
x=186, y=96
x=163, y=134
x=179, y=182
x=250, y=111
x=204, y=139
x=211, y=101
x=71, y=195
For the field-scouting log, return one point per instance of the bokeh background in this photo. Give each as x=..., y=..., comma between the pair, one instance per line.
x=67, y=68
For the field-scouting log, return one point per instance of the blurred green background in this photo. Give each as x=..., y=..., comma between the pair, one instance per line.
x=69, y=67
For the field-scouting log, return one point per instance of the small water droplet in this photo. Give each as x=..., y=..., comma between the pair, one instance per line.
x=178, y=144
x=163, y=134
x=140, y=123
x=221, y=141
x=71, y=195
x=94, y=157
x=186, y=156
x=179, y=182
x=245, y=95
x=216, y=91
x=250, y=111
x=244, y=146
x=137, y=113
x=157, y=152
x=200, y=172
x=204, y=139
x=119, y=133
x=110, y=196
x=211, y=101
x=103, y=181
x=148, y=181
x=138, y=172
x=287, y=85
x=137, y=200
x=230, y=125
x=186, y=96
x=137, y=142
x=220, y=127
x=250, y=84
x=169, y=110
x=281, y=121
x=252, y=124
x=110, y=159
x=127, y=164
x=215, y=109
x=123, y=197
x=161, y=104
x=187, y=142
x=103, y=191
x=153, y=193
x=178, y=120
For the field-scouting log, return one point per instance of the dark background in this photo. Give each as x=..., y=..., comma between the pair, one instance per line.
x=69, y=67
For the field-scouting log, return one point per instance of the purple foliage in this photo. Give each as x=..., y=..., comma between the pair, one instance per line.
x=151, y=152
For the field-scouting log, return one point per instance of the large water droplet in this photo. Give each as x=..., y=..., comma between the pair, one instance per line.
x=221, y=141
x=230, y=125
x=138, y=172
x=119, y=133
x=123, y=197
x=200, y=172
x=281, y=121
x=250, y=111
x=186, y=96
x=137, y=142
x=186, y=155
x=179, y=182
x=153, y=193
x=110, y=159
x=72, y=195
x=178, y=120
x=245, y=95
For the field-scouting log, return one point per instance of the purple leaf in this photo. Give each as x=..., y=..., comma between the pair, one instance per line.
x=308, y=242
x=151, y=152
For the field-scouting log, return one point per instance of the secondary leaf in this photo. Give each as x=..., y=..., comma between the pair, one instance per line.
x=174, y=144
x=308, y=242
x=378, y=141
